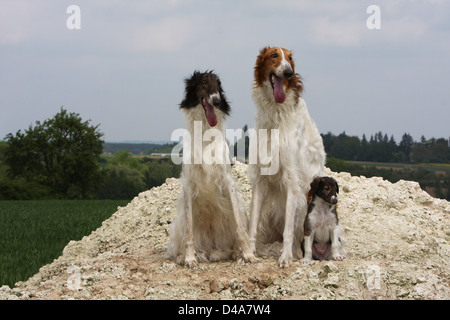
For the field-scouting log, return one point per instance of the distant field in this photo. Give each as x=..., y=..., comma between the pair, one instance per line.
x=435, y=167
x=34, y=233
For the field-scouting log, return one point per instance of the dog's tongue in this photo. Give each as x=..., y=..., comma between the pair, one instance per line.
x=278, y=90
x=210, y=114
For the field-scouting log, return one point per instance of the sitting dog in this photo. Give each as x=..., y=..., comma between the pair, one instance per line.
x=324, y=237
x=211, y=224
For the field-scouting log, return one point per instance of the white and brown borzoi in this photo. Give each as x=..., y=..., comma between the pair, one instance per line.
x=278, y=206
x=211, y=224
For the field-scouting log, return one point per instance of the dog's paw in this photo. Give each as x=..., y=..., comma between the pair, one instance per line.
x=285, y=261
x=338, y=257
x=306, y=261
x=250, y=257
x=191, y=263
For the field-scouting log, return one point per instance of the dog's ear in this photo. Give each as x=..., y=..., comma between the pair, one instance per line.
x=315, y=184
x=190, y=99
x=224, y=105
x=260, y=60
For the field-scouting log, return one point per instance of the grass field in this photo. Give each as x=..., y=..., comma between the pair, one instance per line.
x=34, y=233
x=442, y=168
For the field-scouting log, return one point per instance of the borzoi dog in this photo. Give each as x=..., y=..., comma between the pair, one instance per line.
x=211, y=224
x=278, y=206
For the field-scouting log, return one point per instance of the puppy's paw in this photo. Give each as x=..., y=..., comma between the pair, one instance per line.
x=306, y=261
x=337, y=257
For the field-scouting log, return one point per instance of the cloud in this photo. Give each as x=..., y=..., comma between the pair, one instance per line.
x=15, y=19
x=164, y=35
x=334, y=32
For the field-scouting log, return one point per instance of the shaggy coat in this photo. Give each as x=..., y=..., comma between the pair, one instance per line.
x=211, y=224
x=278, y=206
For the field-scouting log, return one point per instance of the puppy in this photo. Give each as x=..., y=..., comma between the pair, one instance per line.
x=324, y=237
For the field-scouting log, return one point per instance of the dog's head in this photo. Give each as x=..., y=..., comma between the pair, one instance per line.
x=205, y=89
x=276, y=66
x=326, y=188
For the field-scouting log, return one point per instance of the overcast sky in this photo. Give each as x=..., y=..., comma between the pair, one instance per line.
x=124, y=68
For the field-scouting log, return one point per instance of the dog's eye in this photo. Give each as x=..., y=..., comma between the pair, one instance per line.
x=274, y=55
x=205, y=81
x=327, y=188
x=290, y=58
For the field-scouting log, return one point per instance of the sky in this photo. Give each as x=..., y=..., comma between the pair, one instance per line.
x=124, y=67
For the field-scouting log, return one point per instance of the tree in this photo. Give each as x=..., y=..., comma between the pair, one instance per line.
x=61, y=153
x=420, y=153
x=406, y=145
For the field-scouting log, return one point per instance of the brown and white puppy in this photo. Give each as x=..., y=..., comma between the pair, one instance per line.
x=324, y=237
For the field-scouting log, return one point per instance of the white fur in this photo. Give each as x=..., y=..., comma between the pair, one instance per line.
x=211, y=223
x=279, y=206
x=324, y=229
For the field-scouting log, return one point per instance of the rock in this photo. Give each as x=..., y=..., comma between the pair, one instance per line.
x=397, y=240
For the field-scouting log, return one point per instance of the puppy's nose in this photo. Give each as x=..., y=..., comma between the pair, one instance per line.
x=334, y=200
x=288, y=73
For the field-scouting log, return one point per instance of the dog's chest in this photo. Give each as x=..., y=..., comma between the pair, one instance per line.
x=322, y=219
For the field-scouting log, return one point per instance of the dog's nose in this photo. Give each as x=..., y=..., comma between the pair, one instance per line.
x=216, y=101
x=334, y=200
x=288, y=73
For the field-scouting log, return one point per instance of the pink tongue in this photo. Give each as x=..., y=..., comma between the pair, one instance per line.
x=210, y=114
x=278, y=90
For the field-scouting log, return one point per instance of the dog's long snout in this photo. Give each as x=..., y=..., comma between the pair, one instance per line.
x=287, y=73
x=215, y=98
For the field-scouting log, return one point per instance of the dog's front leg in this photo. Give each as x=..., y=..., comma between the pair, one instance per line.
x=189, y=259
x=255, y=208
x=307, y=245
x=286, y=257
x=241, y=233
x=336, y=244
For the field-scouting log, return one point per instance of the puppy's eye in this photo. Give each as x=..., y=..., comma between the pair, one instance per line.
x=274, y=55
x=205, y=81
x=290, y=58
x=327, y=188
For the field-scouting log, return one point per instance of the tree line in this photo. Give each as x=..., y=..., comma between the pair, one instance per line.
x=61, y=158
x=381, y=148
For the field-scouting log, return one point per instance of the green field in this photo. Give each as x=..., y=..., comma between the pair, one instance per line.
x=34, y=233
x=434, y=167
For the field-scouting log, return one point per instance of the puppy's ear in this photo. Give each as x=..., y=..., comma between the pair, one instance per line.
x=315, y=186
x=337, y=186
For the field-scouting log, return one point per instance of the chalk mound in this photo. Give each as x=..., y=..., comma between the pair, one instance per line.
x=397, y=235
